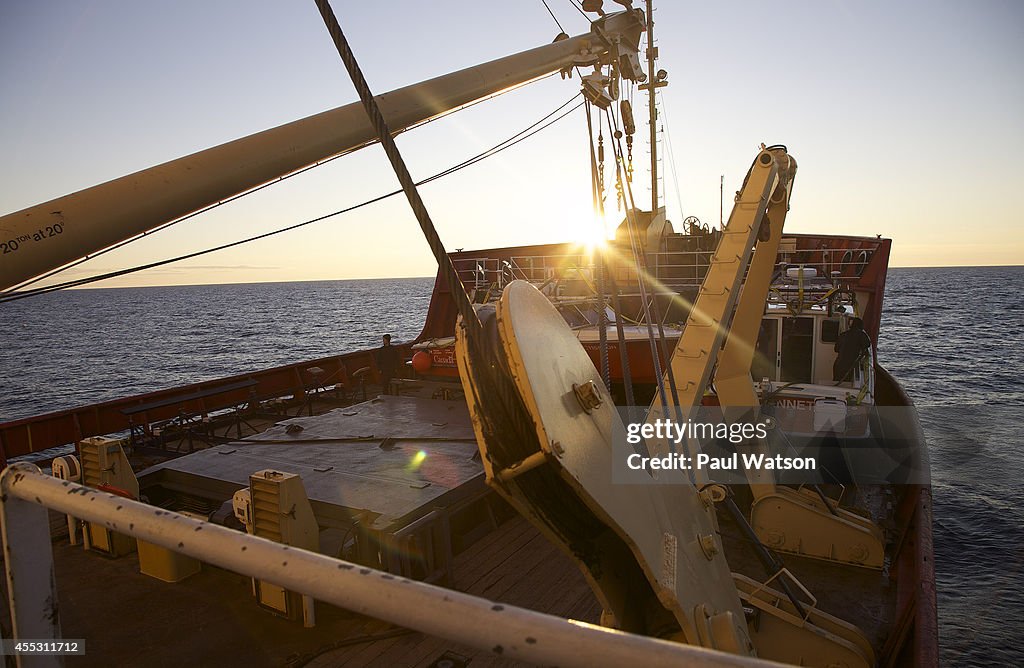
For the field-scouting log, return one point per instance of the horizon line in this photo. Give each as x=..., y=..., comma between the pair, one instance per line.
x=395, y=278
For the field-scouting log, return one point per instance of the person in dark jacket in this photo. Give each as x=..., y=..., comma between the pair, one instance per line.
x=850, y=346
x=387, y=363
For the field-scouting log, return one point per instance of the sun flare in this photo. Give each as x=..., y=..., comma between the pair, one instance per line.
x=591, y=232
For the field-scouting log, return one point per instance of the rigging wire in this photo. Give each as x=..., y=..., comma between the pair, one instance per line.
x=642, y=276
x=671, y=156
x=602, y=315
x=634, y=242
x=513, y=435
x=640, y=258
x=210, y=207
x=579, y=8
x=446, y=268
x=171, y=223
x=509, y=142
x=559, y=24
x=606, y=279
x=553, y=17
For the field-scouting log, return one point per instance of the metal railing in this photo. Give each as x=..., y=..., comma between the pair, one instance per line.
x=516, y=633
x=664, y=265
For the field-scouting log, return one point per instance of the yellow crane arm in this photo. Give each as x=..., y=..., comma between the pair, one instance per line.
x=787, y=520
x=732, y=376
x=711, y=315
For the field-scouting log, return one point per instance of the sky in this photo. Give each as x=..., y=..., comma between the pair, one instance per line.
x=907, y=120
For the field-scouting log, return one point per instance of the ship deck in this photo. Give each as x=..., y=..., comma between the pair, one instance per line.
x=381, y=463
x=862, y=596
x=130, y=619
x=354, y=461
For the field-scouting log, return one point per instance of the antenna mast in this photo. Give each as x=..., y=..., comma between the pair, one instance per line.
x=652, y=84
x=721, y=200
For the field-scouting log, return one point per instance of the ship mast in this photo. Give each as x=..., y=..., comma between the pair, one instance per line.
x=652, y=109
x=654, y=82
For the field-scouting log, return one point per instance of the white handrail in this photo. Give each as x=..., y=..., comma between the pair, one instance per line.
x=514, y=633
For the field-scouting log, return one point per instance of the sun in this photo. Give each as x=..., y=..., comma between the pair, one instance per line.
x=590, y=232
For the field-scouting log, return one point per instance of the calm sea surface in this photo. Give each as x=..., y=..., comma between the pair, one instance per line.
x=951, y=336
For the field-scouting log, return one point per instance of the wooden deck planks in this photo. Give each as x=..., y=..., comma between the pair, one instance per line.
x=514, y=565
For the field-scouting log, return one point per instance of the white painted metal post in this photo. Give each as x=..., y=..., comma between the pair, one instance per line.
x=308, y=611
x=72, y=530
x=28, y=560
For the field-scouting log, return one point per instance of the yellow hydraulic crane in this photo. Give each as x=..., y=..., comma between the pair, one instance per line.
x=727, y=318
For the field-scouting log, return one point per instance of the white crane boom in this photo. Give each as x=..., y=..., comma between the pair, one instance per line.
x=49, y=235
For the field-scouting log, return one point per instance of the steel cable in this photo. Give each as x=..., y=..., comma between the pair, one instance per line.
x=509, y=142
x=485, y=358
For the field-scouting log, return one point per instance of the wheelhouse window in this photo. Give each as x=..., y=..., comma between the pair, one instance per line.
x=830, y=330
x=797, y=350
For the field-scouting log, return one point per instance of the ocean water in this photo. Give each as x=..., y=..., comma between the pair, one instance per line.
x=951, y=336
x=953, y=339
x=77, y=347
